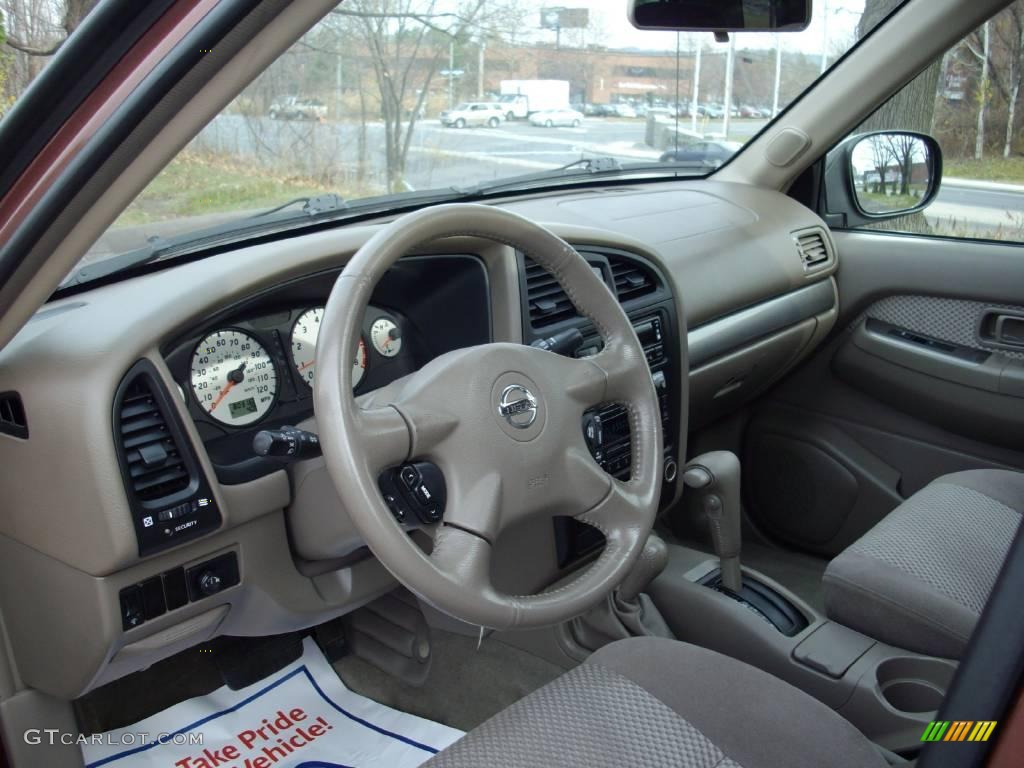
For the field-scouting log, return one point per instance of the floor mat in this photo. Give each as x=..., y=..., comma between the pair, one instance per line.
x=467, y=683
x=303, y=716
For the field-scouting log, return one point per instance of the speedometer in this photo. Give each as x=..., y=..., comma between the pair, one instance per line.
x=233, y=377
x=304, y=335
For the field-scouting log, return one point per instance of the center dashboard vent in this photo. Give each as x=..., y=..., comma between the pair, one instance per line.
x=548, y=303
x=154, y=463
x=814, y=249
x=632, y=280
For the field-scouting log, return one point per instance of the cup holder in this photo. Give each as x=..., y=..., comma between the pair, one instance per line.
x=914, y=685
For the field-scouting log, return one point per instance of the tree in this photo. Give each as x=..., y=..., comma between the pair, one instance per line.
x=72, y=13
x=981, y=49
x=406, y=41
x=913, y=107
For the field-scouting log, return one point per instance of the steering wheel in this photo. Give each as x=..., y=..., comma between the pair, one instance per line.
x=503, y=422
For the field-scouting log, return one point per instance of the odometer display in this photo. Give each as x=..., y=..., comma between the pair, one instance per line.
x=233, y=378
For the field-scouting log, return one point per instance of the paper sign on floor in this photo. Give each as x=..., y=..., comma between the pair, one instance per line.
x=301, y=717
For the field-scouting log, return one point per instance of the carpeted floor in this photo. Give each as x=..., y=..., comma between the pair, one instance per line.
x=465, y=686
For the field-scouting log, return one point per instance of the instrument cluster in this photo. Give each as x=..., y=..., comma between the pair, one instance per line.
x=252, y=365
x=237, y=374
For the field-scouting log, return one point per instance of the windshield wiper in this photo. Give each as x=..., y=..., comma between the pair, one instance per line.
x=312, y=206
x=158, y=247
x=585, y=166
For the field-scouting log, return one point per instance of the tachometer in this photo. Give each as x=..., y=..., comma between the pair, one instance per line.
x=386, y=336
x=233, y=377
x=304, y=335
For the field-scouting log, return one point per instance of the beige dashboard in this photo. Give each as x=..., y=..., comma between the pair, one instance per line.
x=732, y=258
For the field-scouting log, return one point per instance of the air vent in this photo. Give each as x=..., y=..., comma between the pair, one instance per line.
x=547, y=301
x=153, y=461
x=632, y=280
x=12, y=415
x=814, y=249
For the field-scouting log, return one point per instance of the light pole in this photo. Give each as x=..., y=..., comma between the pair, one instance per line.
x=696, y=88
x=778, y=75
x=824, y=37
x=729, y=64
x=451, y=74
x=480, y=70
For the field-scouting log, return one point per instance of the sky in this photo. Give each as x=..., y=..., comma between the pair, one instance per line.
x=614, y=30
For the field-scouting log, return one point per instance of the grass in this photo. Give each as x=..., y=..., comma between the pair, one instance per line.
x=1007, y=169
x=194, y=184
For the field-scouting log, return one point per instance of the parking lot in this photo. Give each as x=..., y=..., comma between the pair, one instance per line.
x=444, y=157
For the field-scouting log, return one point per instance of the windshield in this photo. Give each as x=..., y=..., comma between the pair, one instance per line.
x=384, y=100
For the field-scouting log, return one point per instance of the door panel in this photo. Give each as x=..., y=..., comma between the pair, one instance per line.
x=913, y=384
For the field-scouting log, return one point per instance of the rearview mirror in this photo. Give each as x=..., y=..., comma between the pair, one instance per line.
x=721, y=15
x=881, y=175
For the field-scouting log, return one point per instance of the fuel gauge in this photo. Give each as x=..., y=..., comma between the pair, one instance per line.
x=386, y=337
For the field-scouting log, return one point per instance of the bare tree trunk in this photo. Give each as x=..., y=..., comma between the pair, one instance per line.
x=979, y=139
x=913, y=107
x=1011, y=115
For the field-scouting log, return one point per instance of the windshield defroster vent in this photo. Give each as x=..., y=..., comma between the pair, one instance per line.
x=814, y=249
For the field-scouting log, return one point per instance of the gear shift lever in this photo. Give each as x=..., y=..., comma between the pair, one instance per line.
x=716, y=476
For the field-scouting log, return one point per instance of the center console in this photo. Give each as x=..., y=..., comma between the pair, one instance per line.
x=644, y=295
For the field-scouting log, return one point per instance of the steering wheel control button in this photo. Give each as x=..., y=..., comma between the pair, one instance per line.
x=518, y=406
x=410, y=476
x=415, y=493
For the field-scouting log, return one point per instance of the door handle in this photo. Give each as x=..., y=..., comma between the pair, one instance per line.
x=1002, y=328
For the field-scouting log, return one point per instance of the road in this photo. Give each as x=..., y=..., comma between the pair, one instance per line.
x=964, y=207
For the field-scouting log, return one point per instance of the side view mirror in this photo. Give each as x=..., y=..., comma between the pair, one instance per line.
x=881, y=175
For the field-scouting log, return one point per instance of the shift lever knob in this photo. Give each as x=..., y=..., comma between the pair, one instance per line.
x=716, y=476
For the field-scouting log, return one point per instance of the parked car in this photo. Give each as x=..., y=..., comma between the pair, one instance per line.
x=623, y=110
x=710, y=110
x=552, y=117
x=296, y=108
x=472, y=114
x=709, y=153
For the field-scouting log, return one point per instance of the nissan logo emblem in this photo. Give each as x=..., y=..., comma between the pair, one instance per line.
x=518, y=406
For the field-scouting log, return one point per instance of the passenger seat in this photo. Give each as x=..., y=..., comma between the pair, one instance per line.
x=920, y=578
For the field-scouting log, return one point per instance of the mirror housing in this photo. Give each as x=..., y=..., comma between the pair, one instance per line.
x=882, y=175
x=721, y=16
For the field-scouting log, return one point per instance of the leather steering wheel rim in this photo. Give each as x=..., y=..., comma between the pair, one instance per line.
x=498, y=469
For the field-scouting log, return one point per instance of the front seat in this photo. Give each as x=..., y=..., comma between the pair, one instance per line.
x=920, y=578
x=661, y=703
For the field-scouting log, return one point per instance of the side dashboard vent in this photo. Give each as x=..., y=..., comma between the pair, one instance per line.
x=153, y=460
x=632, y=280
x=547, y=302
x=12, y=415
x=814, y=249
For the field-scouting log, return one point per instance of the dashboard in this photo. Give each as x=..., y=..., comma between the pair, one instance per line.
x=252, y=366
x=199, y=356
